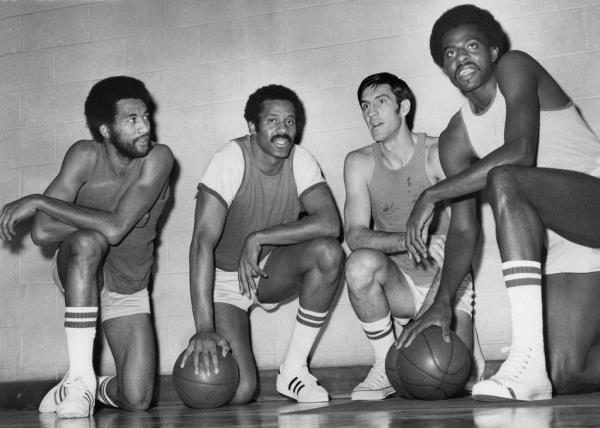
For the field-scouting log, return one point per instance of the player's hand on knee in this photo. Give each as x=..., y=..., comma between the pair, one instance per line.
x=249, y=270
x=203, y=349
x=436, y=248
x=438, y=314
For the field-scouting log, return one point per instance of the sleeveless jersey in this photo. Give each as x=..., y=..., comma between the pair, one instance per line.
x=565, y=140
x=128, y=265
x=262, y=201
x=393, y=194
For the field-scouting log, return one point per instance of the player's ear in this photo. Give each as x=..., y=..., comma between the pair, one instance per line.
x=104, y=131
x=495, y=53
x=404, y=107
x=251, y=127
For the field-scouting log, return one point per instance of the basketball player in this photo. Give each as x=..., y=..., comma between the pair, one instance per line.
x=249, y=245
x=382, y=182
x=520, y=137
x=102, y=209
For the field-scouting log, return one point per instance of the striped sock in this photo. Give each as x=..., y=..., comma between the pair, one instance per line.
x=381, y=336
x=80, y=328
x=102, y=393
x=523, y=279
x=307, y=327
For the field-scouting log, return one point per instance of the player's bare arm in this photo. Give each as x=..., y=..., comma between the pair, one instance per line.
x=518, y=76
x=209, y=220
x=322, y=220
x=357, y=208
x=455, y=155
x=72, y=175
x=135, y=202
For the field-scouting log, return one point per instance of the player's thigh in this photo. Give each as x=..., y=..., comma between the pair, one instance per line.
x=288, y=265
x=132, y=342
x=233, y=324
x=567, y=202
x=398, y=291
x=572, y=310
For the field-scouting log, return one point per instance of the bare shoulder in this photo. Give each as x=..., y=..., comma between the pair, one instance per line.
x=83, y=147
x=81, y=155
x=359, y=163
x=160, y=156
x=455, y=146
x=162, y=151
x=517, y=64
x=358, y=157
x=455, y=131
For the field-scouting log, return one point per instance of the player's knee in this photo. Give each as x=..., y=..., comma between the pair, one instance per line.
x=136, y=399
x=246, y=390
x=565, y=377
x=328, y=255
x=361, y=267
x=501, y=185
x=88, y=245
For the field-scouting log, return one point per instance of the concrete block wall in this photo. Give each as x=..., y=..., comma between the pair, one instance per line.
x=201, y=59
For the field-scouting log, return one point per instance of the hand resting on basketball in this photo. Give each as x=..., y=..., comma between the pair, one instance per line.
x=203, y=349
x=437, y=314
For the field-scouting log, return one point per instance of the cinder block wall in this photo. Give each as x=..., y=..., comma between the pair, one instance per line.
x=201, y=59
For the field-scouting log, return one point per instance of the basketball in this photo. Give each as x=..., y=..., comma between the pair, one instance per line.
x=429, y=369
x=206, y=392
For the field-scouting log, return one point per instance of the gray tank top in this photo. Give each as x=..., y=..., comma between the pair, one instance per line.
x=262, y=201
x=127, y=266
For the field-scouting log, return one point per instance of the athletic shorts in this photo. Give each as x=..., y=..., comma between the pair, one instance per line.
x=113, y=305
x=564, y=256
x=227, y=290
x=463, y=301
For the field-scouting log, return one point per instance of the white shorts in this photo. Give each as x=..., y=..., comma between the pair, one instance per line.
x=227, y=290
x=463, y=301
x=564, y=256
x=113, y=305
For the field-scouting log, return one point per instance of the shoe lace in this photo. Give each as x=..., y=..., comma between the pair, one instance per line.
x=376, y=375
x=516, y=363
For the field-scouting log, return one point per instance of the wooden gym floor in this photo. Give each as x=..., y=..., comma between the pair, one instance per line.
x=567, y=411
x=273, y=410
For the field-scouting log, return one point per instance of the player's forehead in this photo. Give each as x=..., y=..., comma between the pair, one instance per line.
x=377, y=90
x=130, y=106
x=458, y=35
x=277, y=107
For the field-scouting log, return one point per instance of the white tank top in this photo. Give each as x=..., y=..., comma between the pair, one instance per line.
x=565, y=140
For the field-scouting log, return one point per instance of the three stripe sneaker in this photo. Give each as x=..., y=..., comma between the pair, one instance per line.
x=301, y=386
x=79, y=400
x=54, y=397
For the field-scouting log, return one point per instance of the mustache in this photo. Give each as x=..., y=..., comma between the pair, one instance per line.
x=466, y=64
x=142, y=137
x=286, y=136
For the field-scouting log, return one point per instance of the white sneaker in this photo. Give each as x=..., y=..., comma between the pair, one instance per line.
x=521, y=377
x=376, y=385
x=54, y=397
x=79, y=401
x=301, y=386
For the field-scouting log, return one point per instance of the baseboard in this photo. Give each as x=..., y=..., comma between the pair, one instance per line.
x=339, y=381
